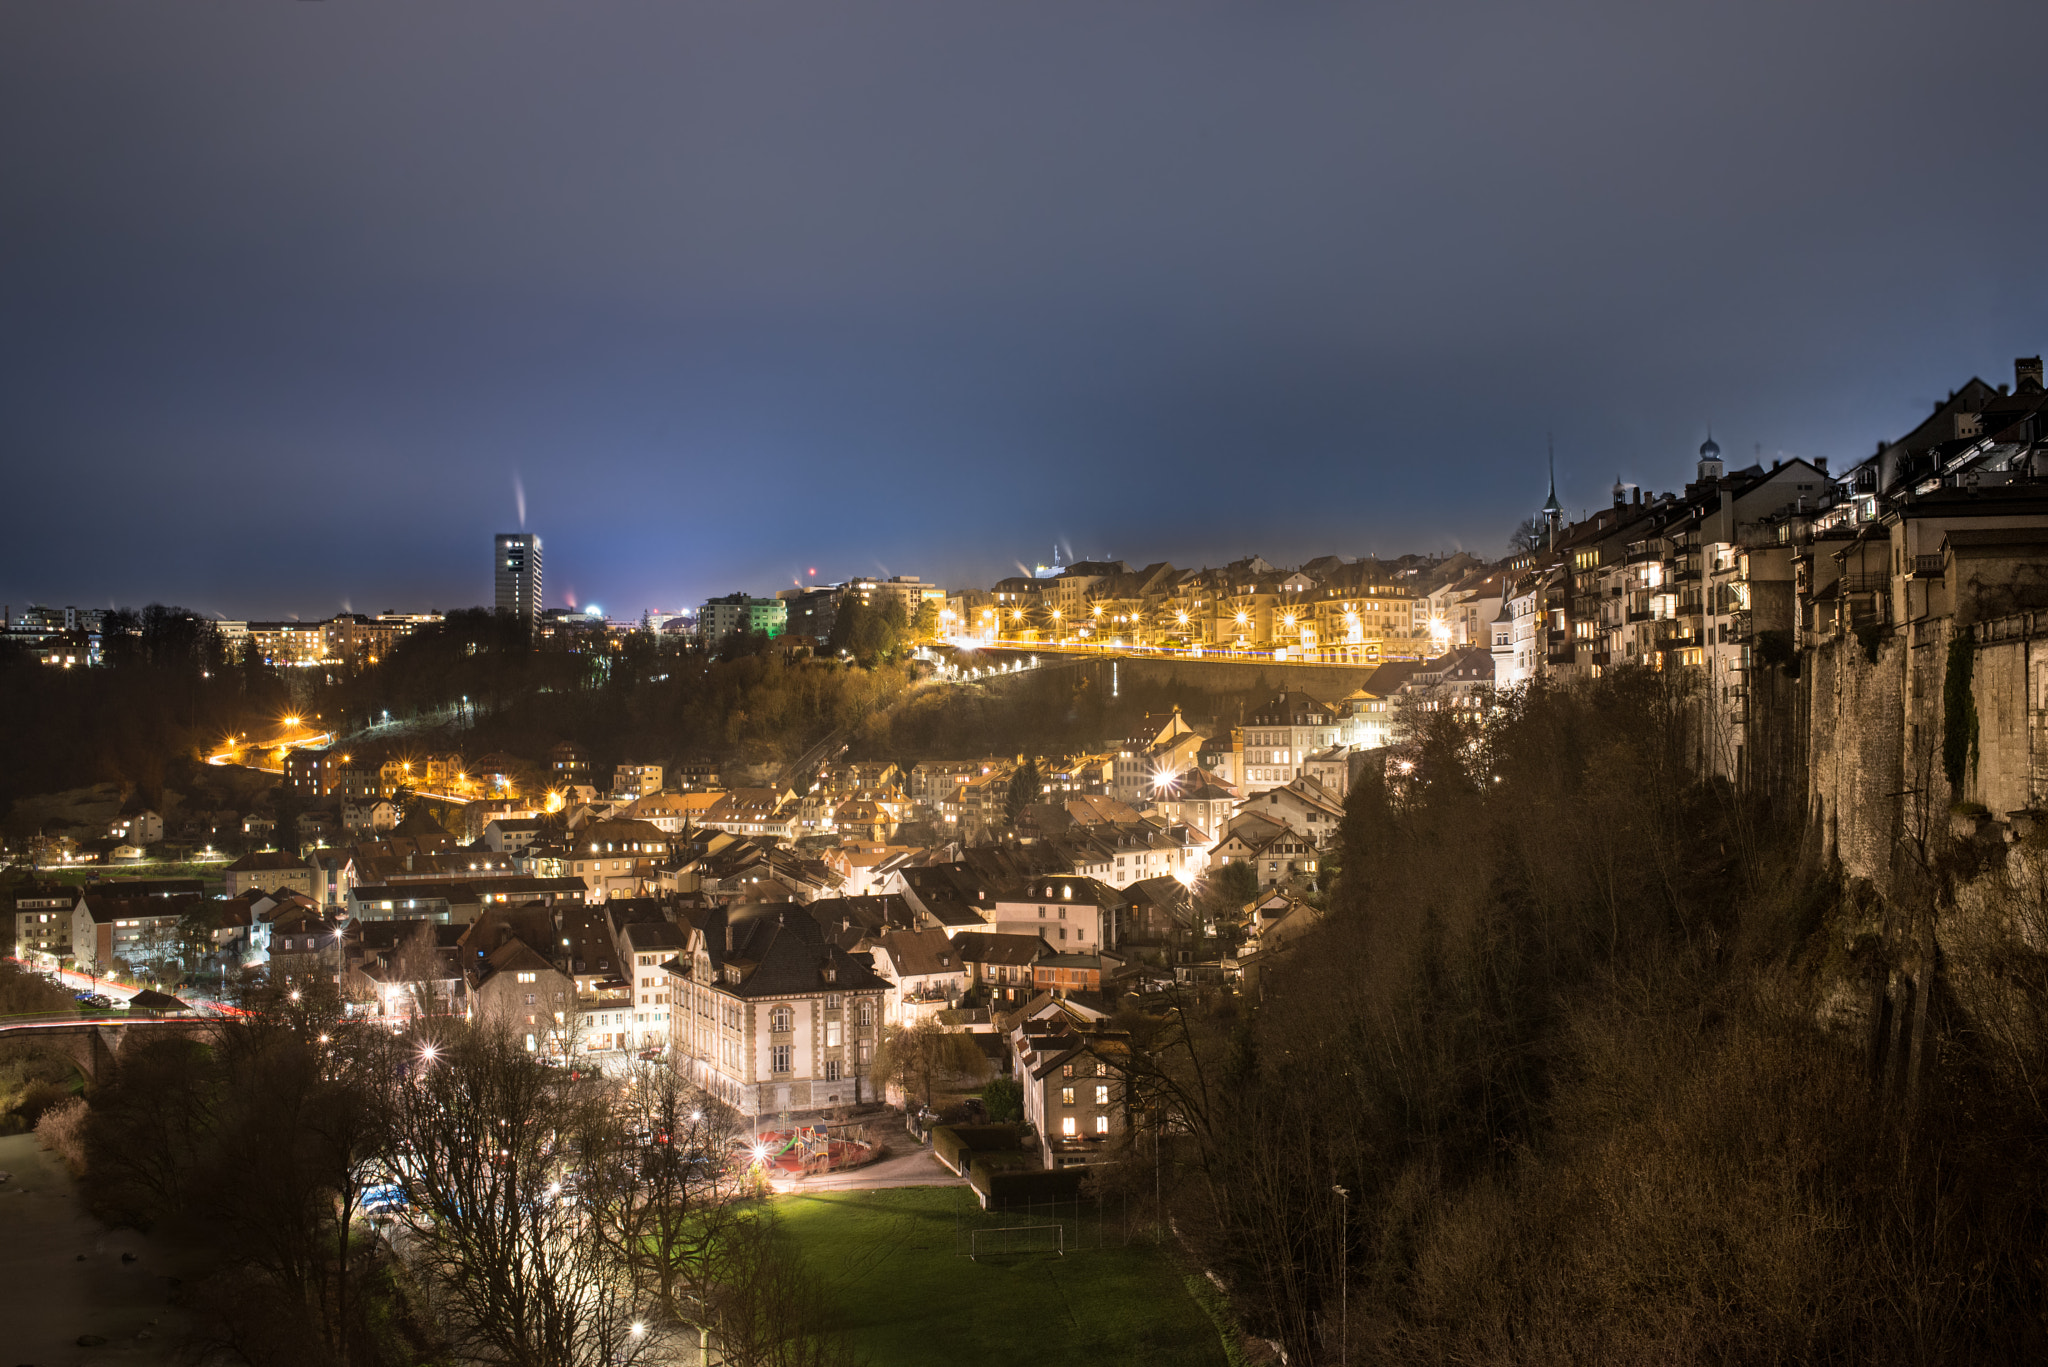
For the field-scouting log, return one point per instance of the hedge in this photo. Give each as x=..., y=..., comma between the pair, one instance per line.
x=951, y=1143
x=1023, y=1188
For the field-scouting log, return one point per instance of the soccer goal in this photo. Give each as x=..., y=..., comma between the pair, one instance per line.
x=1007, y=1240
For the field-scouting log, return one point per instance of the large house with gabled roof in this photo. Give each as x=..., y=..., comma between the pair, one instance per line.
x=771, y=1016
x=1074, y=1073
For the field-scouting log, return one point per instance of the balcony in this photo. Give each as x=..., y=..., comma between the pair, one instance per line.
x=1928, y=567
x=1639, y=616
x=1866, y=582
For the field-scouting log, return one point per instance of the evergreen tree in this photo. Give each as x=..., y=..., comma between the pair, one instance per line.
x=1025, y=788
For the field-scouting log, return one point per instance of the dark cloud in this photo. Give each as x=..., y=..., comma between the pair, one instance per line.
x=289, y=292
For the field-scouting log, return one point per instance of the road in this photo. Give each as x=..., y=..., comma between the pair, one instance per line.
x=1211, y=654
x=914, y=1169
x=85, y=982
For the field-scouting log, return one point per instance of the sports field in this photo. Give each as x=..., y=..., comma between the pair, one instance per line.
x=906, y=1299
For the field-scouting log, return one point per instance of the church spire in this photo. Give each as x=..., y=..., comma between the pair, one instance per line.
x=1553, y=511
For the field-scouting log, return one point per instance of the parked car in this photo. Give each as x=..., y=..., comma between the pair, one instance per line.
x=383, y=1199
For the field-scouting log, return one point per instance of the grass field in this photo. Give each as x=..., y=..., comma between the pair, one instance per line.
x=906, y=1299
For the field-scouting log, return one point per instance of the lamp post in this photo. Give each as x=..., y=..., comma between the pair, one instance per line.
x=1343, y=1273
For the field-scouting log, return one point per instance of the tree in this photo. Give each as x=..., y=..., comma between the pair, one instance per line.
x=416, y=965
x=298, y=1129
x=1233, y=885
x=1026, y=787
x=1003, y=1099
x=918, y=1057
x=285, y=810
x=660, y=1185
x=482, y=1132
x=767, y=1303
x=1530, y=534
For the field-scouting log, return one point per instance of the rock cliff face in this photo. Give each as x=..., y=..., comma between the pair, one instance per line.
x=1927, y=758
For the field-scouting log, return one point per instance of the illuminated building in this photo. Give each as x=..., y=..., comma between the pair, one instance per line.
x=517, y=572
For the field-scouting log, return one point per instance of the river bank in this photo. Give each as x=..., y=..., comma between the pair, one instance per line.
x=64, y=1276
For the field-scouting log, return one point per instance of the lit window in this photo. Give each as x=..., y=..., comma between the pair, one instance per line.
x=1067, y=1127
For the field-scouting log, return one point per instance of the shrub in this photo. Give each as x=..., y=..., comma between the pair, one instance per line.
x=62, y=1130
x=23, y=992
x=1003, y=1098
x=38, y=1097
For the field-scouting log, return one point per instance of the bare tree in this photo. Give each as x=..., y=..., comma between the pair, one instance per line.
x=484, y=1137
x=417, y=965
x=660, y=1180
x=768, y=1304
x=920, y=1056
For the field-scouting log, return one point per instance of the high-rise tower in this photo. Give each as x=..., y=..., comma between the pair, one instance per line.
x=516, y=569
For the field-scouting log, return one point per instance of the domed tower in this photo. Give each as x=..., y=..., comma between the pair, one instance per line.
x=1710, y=461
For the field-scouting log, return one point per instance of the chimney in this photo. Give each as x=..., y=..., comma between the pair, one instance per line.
x=2026, y=375
x=1820, y=463
x=728, y=937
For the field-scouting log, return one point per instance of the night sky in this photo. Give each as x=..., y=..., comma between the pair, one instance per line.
x=291, y=293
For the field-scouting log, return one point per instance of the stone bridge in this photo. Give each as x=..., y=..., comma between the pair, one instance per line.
x=94, y=1042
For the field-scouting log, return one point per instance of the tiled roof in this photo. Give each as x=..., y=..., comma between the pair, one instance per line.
x=780, y=951
x=266, y=861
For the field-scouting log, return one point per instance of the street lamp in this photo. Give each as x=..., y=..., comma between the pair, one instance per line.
x=1343, y=1273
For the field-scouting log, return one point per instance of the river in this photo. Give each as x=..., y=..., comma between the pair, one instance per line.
x=52, y=1297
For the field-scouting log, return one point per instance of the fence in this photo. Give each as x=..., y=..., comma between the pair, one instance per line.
x=1045, y=1228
